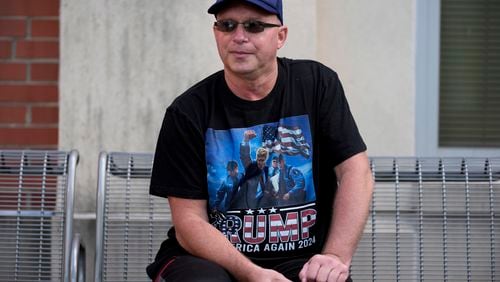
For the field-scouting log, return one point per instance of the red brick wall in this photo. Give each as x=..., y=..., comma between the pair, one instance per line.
x=29, y=66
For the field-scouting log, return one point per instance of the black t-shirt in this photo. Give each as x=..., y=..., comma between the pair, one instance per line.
x=270, y=195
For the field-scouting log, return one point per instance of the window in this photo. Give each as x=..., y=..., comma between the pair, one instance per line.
x=457, y=78
x=469, y=100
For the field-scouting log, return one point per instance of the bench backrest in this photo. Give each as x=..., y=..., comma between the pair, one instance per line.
x=131, y=224
x=431, y=219
x=36, y=213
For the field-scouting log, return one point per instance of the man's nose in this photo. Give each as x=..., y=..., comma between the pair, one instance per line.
x=240, y=34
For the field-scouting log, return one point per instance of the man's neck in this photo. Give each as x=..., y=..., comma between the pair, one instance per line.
x=252, y=88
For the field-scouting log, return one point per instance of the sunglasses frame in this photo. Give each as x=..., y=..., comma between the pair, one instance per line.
x=229, y=25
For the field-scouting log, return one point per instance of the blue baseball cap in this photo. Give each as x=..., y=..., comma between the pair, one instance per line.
x=271, y=6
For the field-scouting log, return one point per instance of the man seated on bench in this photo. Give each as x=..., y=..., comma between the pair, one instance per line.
x=297, y=109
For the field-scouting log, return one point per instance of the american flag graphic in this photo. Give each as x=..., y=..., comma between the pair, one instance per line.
x=280, y=231
x=285, y=140
x=248, y=229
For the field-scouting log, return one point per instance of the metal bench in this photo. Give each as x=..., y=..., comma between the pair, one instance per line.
x=131, y=224
x=36, y=215
x=432, y=219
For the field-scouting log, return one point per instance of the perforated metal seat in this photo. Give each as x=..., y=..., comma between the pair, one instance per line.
x=131, y=224
x=36, y=214
x=432, y=220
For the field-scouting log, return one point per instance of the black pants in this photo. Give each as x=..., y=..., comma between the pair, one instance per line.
x=190, y=269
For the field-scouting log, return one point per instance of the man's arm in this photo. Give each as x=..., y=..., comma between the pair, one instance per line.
x=298, y=179
x=351, y=207
x=245, y=157
x=221, y=192
x=197, y=236
x=350, y=212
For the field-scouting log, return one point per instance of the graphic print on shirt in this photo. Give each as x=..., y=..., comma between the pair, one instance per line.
x=260, y=186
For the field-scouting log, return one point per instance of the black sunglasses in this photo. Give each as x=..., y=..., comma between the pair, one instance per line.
x=252, y=26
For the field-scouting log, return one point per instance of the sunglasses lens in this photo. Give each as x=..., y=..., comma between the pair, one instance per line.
x=253, y=26
x=226, y=25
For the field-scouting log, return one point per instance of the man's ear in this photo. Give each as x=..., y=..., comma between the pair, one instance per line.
x=282, y=35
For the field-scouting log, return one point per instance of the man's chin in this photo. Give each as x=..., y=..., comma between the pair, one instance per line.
x=242, y=70
x=241, y=66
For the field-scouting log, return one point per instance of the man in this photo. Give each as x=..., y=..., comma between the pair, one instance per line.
x=228, y=187
x=274, y=169
x=292, y=188
x=314, y=241
x=253, y=183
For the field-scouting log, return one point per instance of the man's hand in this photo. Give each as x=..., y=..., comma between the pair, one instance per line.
x=324, y=267
x=249, y=135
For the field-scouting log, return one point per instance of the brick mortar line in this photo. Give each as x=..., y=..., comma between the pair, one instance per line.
x=28, y=83
x=28, y=126
x=29, y=116
x=28, y=28
x=30, y=39
x=29, y=17
x=29, y=103
x=31, y=147
x=30, y=61
x=14, y=17
x=28, y=72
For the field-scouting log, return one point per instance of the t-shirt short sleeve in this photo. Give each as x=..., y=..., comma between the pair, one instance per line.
x=338, y=126
x=179, y=168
